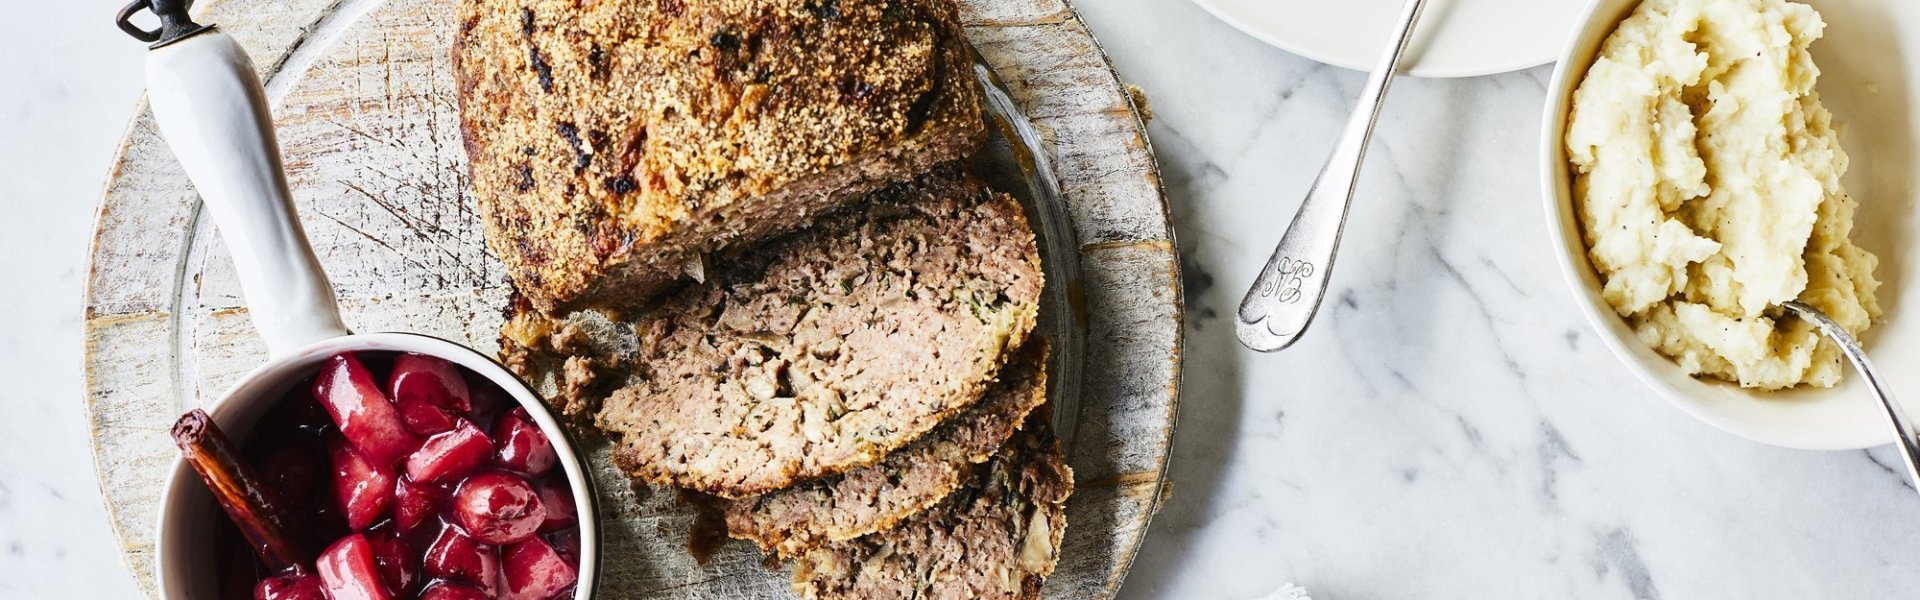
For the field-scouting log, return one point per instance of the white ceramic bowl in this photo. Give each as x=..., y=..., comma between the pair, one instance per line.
x=184, y=553
x=1869, y=59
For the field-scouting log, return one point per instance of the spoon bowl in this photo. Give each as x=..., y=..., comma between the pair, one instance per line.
x=1906, y=437
x=1282, y=301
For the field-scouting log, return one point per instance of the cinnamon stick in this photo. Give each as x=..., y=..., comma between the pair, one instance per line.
x=253, y=506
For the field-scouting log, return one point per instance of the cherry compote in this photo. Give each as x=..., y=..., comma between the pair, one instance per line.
x=419, y=480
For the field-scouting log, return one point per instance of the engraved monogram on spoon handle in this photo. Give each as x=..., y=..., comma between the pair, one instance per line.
x=1283, y=299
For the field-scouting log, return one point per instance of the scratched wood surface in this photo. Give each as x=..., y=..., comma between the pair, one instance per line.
x=362, y=91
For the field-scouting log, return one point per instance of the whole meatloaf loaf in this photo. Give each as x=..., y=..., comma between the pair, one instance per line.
x=614, y=146
x=825, y=350
x=997, y=538
x=869, y=499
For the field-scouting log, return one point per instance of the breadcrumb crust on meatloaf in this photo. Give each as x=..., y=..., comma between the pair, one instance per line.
x=789, y=522
x=997, y=538
x=828, y=349
x=613, y=146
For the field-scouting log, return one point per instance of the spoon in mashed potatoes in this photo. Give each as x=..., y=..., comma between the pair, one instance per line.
x=1903, y=425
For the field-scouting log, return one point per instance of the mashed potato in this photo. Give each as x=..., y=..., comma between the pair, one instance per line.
x=1707, y=176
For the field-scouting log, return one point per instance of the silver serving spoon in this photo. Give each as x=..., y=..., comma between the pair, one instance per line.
x=1904, y=433
x=1283, y=299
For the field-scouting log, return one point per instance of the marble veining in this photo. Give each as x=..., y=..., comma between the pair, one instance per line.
x=1448, y=428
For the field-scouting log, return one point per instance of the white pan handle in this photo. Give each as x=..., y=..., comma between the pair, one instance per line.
x=212, y=111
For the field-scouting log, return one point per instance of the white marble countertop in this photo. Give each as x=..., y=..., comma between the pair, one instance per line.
x=1449, y=429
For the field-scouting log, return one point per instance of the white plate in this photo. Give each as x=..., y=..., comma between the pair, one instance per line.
x=1455, y=38
x=1869, y=60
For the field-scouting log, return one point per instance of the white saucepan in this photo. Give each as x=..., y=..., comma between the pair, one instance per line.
x=212, y=111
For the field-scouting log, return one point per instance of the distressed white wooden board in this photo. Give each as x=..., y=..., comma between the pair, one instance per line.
x=368, y=128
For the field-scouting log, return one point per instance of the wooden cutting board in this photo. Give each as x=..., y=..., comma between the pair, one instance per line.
x=363, y=97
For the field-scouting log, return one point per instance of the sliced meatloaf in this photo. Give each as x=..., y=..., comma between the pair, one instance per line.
x=869, y=499
x=831, y=348
x=614, y=145
x=998, y=537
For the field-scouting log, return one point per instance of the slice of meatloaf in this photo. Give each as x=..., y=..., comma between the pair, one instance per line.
x=998, y=537
x=789, y=522
x=615, y=145
x=831, y=348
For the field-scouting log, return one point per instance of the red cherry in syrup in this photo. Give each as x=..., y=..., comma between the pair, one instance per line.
x=450, y=455
x=429, y=392
x=521, y=445
x=498, y=507
x=457, y=556
x=534, y=571
x=425, y=419
x=415, y=505
x=557, y=497
x=362, y=412
x=348, y=571
x=399, y=565
x=432, y=379
x=363, y=490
